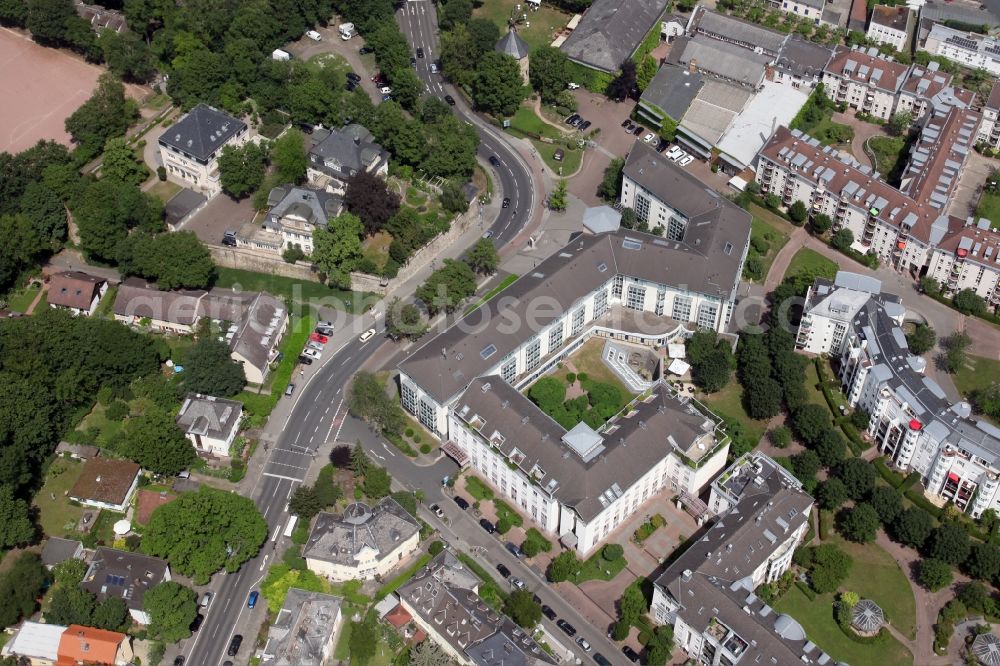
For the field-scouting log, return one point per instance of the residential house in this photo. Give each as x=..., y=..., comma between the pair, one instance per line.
x=78, y=292
x=255, y=339
x=443, y=600
x=707, y=594
x=77, y=451
x=57, y=550
x=965, y=48
x=124, y=575
x=190, y=148
x=86, y=646
x=36, y=643
x=101, y=18
x=294, y=213
x=891, y=25
x=814, y=10
x=611, y=31
x=363, y=542
x=339, y=154
x=801, y=63
x=305, y=631
x=210, y=423
x=106, y=483
x=864, y=80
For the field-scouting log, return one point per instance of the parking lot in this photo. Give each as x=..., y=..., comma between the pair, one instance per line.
x=220, y=214
x=306, y=48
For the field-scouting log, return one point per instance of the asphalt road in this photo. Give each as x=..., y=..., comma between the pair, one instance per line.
x=418, y=21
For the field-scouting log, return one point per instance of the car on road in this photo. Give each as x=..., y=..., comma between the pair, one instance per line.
x=495, y=161
x=234, y=645
x=549, y=613
x=572, y=119
x=437, y=511
x=584, y=125
x=505, y=203
x=179, y=660
x=584, y=645
x=434, y=68
x=462, y=503
x=601, y=659
x=206, y=599
x=367, y=335
x=353, y=76
x=630, y=654
x=648, y=138
x=516, y=582
x=319, y=337
x=314, y=345
x=567, y=628
x=504, y=571
x=487, y=525
x=488, y=234
x=252, y=599
x=312, y=353
x=684, y=161
x=196, y=623
x=364, y=50
x=420, y=52
x=450, y=100
x=639, y=129
x=514, y=550
x=305, y=360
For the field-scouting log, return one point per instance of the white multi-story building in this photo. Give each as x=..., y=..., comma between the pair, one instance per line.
x=923, y=84
x=810, y=9
x=864, y=80
x=295, y=213
x=210, y=423
x=707, y=594
x=965, y=48
x=892, y=26
x=830, y=308
x=190, y=148
x=989, y=128
x=912, y=421
x=580, y=485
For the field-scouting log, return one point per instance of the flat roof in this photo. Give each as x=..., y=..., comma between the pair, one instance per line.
x=775, y=104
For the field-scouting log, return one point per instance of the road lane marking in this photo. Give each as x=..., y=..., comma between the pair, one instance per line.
x=279, y=476
x=277, y=531
x=386, y=447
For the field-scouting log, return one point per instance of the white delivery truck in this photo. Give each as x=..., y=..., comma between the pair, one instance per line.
x=278, y=54
x=346, y=30
x=313, y=35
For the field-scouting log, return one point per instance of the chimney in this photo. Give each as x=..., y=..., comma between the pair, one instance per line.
x=693, y=65
x=357, y=140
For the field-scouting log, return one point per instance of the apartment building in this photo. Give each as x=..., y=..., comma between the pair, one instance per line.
x=190, y=148
x=707, y=594
x=922, y=84
x=967, y=49
x=989, y=128
x=912, y=421
x=830, y=307
x=294, y=214
x=864, y=80
x=891, y=25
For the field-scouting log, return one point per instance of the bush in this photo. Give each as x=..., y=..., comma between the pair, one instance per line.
x=435, y=548
x=425, y=448
x=570, y=378
x=612, y=552
x=161, y=173
x=409, y=432
x=116, y=411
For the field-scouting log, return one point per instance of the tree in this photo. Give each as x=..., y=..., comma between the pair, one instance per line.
x=429, y=653
x=454, y=12
x=70, y=604
x=16, y=526
x=913, y=527
x=404, y=320
x=805, y=465
x=548, y=393
x=558, y=197
x=887, y=502
x=821, y=223
x=453, y=196
x=611, y=185
x=171, y=607
x=359, y=460
x=955, y=346
x=378, y=483
x=127, y=55
x=930, y=286
x=934, y=574
x=645, y=72
x=362, y=642
x=498, y=88
x=112, y=614
x=221, y=530
x=105, y=213
x=44, y=208
x=624, y=85
x=950, y=544
x=974, y=595
x=106, y=114
x=20, y=587
x=549, y=72
x=829, y=567
x=858, y=476
x=810, y=422
x=987, y=400
x=305, y=503
x=832, y=494
x=153, y=440
x=859, y=524
x=367, y=399
x=241, y=170
x=798, y=212
x=340, y=456
x=120, y=161
x=831, y=448
x=630, y=220
x=210, y=370
x=969, y=302
x=483, y=35
x=288, y=155
x=842, y=239
x=447, y=287
x=175, y=260
x=483, y=257
x=632, y=606
x=660, y=648
x=370, y=199
x=781, y=436
x=565, y=566
x=337, y=249
x=899, y=123
x=522, y=608
x=712, y=372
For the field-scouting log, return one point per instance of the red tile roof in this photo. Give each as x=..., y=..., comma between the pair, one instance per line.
x=73, y=289
x=890, y=77
x=86, y=645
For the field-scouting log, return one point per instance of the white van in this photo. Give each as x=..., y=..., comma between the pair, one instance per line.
x=278, y=54
x=313, y=35
x=572, y=86
x=346, y=30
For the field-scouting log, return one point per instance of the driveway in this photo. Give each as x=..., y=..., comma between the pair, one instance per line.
x=970, y=184
x=611, y=141
x=220, y=214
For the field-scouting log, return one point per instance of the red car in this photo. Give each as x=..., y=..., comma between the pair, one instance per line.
x=316, y=337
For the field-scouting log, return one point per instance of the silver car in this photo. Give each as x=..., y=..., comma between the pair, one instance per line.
x=312, y=344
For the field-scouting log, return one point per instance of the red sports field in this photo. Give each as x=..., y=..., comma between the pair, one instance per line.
x=39, y=87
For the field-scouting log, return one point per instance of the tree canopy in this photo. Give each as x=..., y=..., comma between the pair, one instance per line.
x=498, y=88
x=176, y=260
x=106, y=114
x=241, y=170
x=370, y=198
x=522, y=608
x=337, y=249
x=153, y=440
x=447, y=287
x=483, y=257
x=210, y=370
x=549, y=72
x=171, y=607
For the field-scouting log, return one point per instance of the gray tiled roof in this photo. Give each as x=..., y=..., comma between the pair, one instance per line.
x=58, y=550
x=513, y=45
x=255, y=338
x=748, y=35
x=672, y=90
x=803, y=58
x=664, y=424
x=352, y=147
x=339, y=538
x=724, y=60
x=316, y=207
x=611, y=30
x=202, y=131
x=302, y=630
x=124, y=575
x=209, y=416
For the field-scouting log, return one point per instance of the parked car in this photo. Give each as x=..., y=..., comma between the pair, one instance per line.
x=312, y=353
x=648, y=138
x=503, y=570
x=234, y=645
x=567, y=628
x=505, y=203
x=319, y=337
x=314, y=345
x=305, y=360
x=229, y=238
x=462, y=503
x=558, y=155
x=324, y=331
x=579, y=121
x=680, y=154
x=420, y=52
x=290, y=389
x=674, y=152
x=514, y=550
x=572, y=119
x=450, y=100
x=313, y=35
x=549, y=613
x=601, y=660
x=584, y=125
x=365, y=50
x=639, y=129
x=353, y=76
x=662, y=145
x=630, y=654
x=196, y=623
x=487, y=525
x=684, y=161
x=206, y=599
x=350, y=85
x=378, y=78
x=367, y=335
x=386, y=98
x=437, y=511
x=516, y=582
x=179, y=660
x=488, y=234
x=252, y=599
x=324, y=324
x=584, y=645
x=495, y=161
x=385, y=90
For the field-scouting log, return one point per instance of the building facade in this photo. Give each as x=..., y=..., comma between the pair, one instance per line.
x=864, y=81
x=305, y=631
x=296, y=212
x=341, y=153
x=967, y=49
x=892, y=26
x=989, y=128
x=210, y=423
x=76, y=292
x=190, y=148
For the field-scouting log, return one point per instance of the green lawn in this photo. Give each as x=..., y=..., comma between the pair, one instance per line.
x=989, y=207
x=20, y=300
x=55, y=514
x=890, y=152
x=770, y=228
x=164, y=190
x=729, y=402
x=979, y=373
x=816, y=617
x=588, y=360
x=96, y=419
x=876, y=575
x=526, y=122
x=299, y=291
x=597, y=568
x=813, y=262
x=813, y=392
x=544, y=22
x=570, y=162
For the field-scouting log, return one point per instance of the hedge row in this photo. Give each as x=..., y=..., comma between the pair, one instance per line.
x=806, y=590
x=892, y=478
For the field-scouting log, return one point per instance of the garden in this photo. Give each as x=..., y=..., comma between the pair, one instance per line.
x=768, y=235
x=889, y=156
x=544, y=22
x=592, y=402
x=812, y=263
x=989, y=202
x=527, y=125
x=815, y=119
